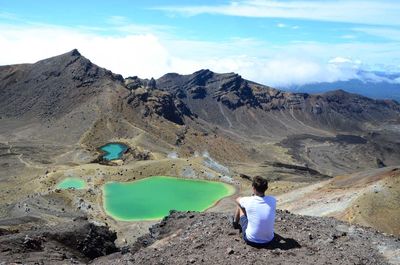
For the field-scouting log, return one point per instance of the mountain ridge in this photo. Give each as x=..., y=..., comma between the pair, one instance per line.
x=69, y=86
x=70, y=79
x=229, y=88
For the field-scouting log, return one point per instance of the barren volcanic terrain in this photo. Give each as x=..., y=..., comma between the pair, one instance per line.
x=333, y=154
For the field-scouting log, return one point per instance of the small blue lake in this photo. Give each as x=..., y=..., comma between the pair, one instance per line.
x=71, y=183
x=113, y=151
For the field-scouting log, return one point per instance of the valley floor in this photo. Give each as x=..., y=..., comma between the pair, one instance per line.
x=31, y=169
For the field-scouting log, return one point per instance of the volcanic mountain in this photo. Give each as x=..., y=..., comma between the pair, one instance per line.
x=354, y=127
x=56, y=113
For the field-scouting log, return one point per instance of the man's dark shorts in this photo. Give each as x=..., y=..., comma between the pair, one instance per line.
x=243, y=224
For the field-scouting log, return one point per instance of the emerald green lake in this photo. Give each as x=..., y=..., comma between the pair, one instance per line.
x=69, y=183
x=152, y=198
x=113, y=151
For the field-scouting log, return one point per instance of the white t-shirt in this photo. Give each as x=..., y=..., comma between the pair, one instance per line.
x=260, y=213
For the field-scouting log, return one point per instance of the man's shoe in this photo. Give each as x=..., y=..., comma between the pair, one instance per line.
x=234, y=224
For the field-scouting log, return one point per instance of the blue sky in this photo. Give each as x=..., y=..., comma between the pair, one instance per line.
x=277, y=42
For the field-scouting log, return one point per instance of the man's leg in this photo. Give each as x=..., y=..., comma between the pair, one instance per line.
x=236, y=218
x=239, y=212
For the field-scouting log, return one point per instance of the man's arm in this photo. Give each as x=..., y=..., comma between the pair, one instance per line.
x=237, y=201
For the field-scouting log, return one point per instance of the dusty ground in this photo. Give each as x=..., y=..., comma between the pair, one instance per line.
x=368, y=198
x=208, y=238
x=201, y=238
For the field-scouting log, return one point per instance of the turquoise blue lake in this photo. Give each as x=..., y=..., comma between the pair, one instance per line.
x=152, y=198
x=71, y=183
x=113, y=151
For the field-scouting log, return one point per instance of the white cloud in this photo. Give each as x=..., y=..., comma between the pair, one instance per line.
x=139, y=54
x=386, y=54
x=283, y=25
x=152, y=54
x=384, y=12
x=283, y=72
x=345, y=61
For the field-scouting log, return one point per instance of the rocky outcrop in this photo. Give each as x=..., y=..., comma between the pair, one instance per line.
x=160, y=103
x=234, y=92
x=198, y=92
x=352, y=104
x=77, y=241
x=207, y=94
x=231, y=89
x=140, y=155
x=208, y=238
x=299, y=170
x=151, y=84
x=133, y=82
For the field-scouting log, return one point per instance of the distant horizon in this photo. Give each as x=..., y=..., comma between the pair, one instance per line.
x=279, y=43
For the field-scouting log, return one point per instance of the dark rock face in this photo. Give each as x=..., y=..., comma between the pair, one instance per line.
x=78, y=239
x=316, y=109
x=235, y=92
x=298, y=169
x=232, y=101
x=151, y=84
x=35, y=243
x=201, y=77
x=133, y=82
x=90, y=240
x=198, y=92
x=246, y=177
x=380, y=163
x=231, y=89
x=161, y=103
x=182, y=94
x=208, y=238
x=336, y=110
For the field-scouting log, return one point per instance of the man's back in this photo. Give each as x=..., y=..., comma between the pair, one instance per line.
x=260, y=212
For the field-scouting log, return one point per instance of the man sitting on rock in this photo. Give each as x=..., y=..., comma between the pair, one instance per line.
x=256, y=214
